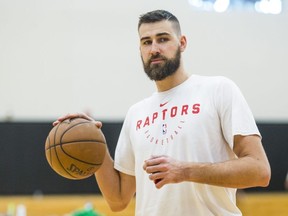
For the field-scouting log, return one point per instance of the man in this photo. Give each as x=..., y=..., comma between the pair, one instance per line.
x=187, y=148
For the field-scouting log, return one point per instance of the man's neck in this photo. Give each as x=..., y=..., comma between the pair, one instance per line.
x=172, y=81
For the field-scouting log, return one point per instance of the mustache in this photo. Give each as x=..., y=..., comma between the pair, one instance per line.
x=157, y=56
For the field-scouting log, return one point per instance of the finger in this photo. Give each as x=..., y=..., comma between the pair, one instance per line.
x=152, y=163
x=98, y=124
x=149, y=165
x=152, y=166
x=63, y=118
x=157, y=180
x=75, y=115
x=145, y=165
x=83, y=115
x=159, y=183
x=67, y=116
x=153, y=169
x=156, y=177
x=55, y=123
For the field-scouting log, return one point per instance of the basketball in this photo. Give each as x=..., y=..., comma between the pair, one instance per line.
x=75, y=148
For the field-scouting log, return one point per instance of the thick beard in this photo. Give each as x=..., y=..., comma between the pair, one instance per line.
x=159, y=72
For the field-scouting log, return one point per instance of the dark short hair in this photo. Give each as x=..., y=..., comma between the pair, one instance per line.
x=157, y=16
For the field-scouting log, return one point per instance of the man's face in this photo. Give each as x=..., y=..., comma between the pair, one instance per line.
x=160, y=49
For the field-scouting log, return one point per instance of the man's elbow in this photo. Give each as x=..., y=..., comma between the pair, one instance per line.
x=264, y=177
x=118, y=207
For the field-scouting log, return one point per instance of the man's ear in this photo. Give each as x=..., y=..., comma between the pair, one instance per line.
x=183, y=43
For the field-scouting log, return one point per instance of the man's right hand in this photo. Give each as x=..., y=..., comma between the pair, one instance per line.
x=77, y=115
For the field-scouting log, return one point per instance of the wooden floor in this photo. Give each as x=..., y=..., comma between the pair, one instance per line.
x=63, y=205
x=264, y=204
x=267, y=204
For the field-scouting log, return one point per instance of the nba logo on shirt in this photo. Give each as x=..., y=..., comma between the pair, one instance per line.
x=164, y=129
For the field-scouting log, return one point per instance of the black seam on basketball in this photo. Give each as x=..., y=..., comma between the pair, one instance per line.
x=97, y=164
x=54, y=139
x=60, y=145
x=57, y=153
x=76, y=141
x=86, y=162
x=72, y=127
x=50, y=153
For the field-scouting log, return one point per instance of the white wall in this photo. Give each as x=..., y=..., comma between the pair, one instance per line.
x=59, y=56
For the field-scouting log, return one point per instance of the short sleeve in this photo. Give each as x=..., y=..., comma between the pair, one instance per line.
x=235, y=115
x=124, y=154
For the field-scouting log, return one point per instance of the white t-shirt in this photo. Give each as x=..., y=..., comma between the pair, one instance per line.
x=196, y=122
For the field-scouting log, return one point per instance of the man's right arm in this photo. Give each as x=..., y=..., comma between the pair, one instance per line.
x=117, y=188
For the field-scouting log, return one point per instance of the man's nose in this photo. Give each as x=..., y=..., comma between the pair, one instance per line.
x=155, y=48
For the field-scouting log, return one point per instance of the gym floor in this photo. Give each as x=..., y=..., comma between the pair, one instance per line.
x=251, y=204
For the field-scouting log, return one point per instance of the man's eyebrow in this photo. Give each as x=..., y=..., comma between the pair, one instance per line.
x=162, y=34
x=157, y=35
x=144, y=38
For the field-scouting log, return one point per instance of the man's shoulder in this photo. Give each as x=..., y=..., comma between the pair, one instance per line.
x=210, y=82
x=210, y=79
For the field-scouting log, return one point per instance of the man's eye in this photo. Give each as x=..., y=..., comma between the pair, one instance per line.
x=163, y=40
x=146, y=42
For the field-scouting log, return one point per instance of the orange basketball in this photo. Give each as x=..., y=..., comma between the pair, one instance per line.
x=75, y=148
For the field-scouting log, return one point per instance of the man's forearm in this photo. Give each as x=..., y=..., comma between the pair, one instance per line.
x=116, y=188
x=238, y=173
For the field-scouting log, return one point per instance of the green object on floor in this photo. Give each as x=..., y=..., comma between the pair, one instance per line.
x=90, y=212
x=87, y=211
